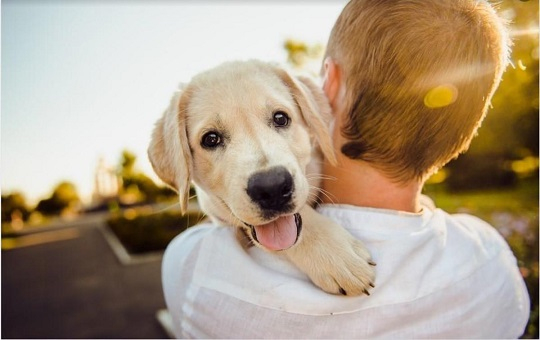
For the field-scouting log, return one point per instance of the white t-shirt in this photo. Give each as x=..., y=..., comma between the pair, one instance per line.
x=438, y=276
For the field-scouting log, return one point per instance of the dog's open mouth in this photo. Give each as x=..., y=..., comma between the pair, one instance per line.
x=280, y=234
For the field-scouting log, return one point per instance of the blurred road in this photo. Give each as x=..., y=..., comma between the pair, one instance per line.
x=67, y=283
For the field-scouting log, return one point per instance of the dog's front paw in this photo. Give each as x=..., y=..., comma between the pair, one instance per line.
x=345, y=268
x=332, y=258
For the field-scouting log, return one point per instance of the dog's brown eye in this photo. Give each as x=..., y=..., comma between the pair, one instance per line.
x=281, y=119
x=211, y=140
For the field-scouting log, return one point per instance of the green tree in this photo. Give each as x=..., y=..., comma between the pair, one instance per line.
x=511, y=126
x=127, y=163
x=136, y=186
x=64, y=197
x=301, y=55
x=509, y=134
x=14, y=203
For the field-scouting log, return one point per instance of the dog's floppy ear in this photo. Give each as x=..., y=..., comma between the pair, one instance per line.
x=169, y=151
x=315, y=110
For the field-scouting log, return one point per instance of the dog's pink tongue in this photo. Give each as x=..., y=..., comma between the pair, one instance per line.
x=279, y=234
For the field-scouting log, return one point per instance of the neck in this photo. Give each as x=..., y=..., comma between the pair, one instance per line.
x=371, y=188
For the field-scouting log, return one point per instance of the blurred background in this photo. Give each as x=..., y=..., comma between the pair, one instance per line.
x=85, y=220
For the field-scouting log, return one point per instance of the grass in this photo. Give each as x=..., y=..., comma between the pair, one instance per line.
x=523, y=199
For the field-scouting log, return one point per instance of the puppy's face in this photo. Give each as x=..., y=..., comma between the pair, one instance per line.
x=248, y=144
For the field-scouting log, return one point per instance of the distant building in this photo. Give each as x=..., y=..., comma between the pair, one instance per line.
x=106, y=183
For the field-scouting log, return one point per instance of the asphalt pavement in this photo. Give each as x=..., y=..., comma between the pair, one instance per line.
x=73, y=286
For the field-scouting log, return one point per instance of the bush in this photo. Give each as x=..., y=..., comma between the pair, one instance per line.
x=14, y=204
x=147, y=232
x=476, y=172
x=64, y=197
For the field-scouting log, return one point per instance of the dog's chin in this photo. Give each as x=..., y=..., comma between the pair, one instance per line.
x=278, y=234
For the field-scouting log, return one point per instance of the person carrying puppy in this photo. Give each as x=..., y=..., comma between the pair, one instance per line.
x=409, y=82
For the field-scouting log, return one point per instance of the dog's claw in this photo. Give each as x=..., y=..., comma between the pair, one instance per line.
x=371, y=263
x=351, y=271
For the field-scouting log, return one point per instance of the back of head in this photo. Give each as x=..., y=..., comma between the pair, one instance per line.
x=419, y=76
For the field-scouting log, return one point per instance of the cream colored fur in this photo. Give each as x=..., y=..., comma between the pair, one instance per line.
x=238, y=99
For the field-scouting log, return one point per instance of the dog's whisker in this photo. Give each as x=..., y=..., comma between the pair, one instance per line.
x=201, y=218
x=328, y=195
x=167, y=208
x=313, y=195
x=234, y=218
x=320, y=176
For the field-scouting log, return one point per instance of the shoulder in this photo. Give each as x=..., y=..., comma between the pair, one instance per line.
x=471, y=245
x=211, y=256
x=186, y=241
x=179, y=258
x=183, y=268
x=490, y=270
x=468, y=228
x=184, y=250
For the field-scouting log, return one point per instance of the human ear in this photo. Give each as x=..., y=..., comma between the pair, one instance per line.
x=332, y=82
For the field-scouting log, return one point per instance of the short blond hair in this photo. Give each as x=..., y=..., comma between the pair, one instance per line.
x=419, y=76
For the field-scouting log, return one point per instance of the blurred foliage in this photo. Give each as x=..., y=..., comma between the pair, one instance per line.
x=507, y=142
x=136, y=186
x=480, y=171
x=63, y=199
x=304, y=56
x=13, y=206
x=148, y=231
x=136, y=189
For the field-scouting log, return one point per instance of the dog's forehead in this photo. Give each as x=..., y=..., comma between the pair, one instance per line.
x=238, y=91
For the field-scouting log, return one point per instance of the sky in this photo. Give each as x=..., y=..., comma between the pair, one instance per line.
x=85, y=79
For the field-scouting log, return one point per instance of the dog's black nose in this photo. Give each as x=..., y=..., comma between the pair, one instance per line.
x=272, y=189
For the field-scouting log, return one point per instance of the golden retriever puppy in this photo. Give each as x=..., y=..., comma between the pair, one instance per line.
x=251, y=137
